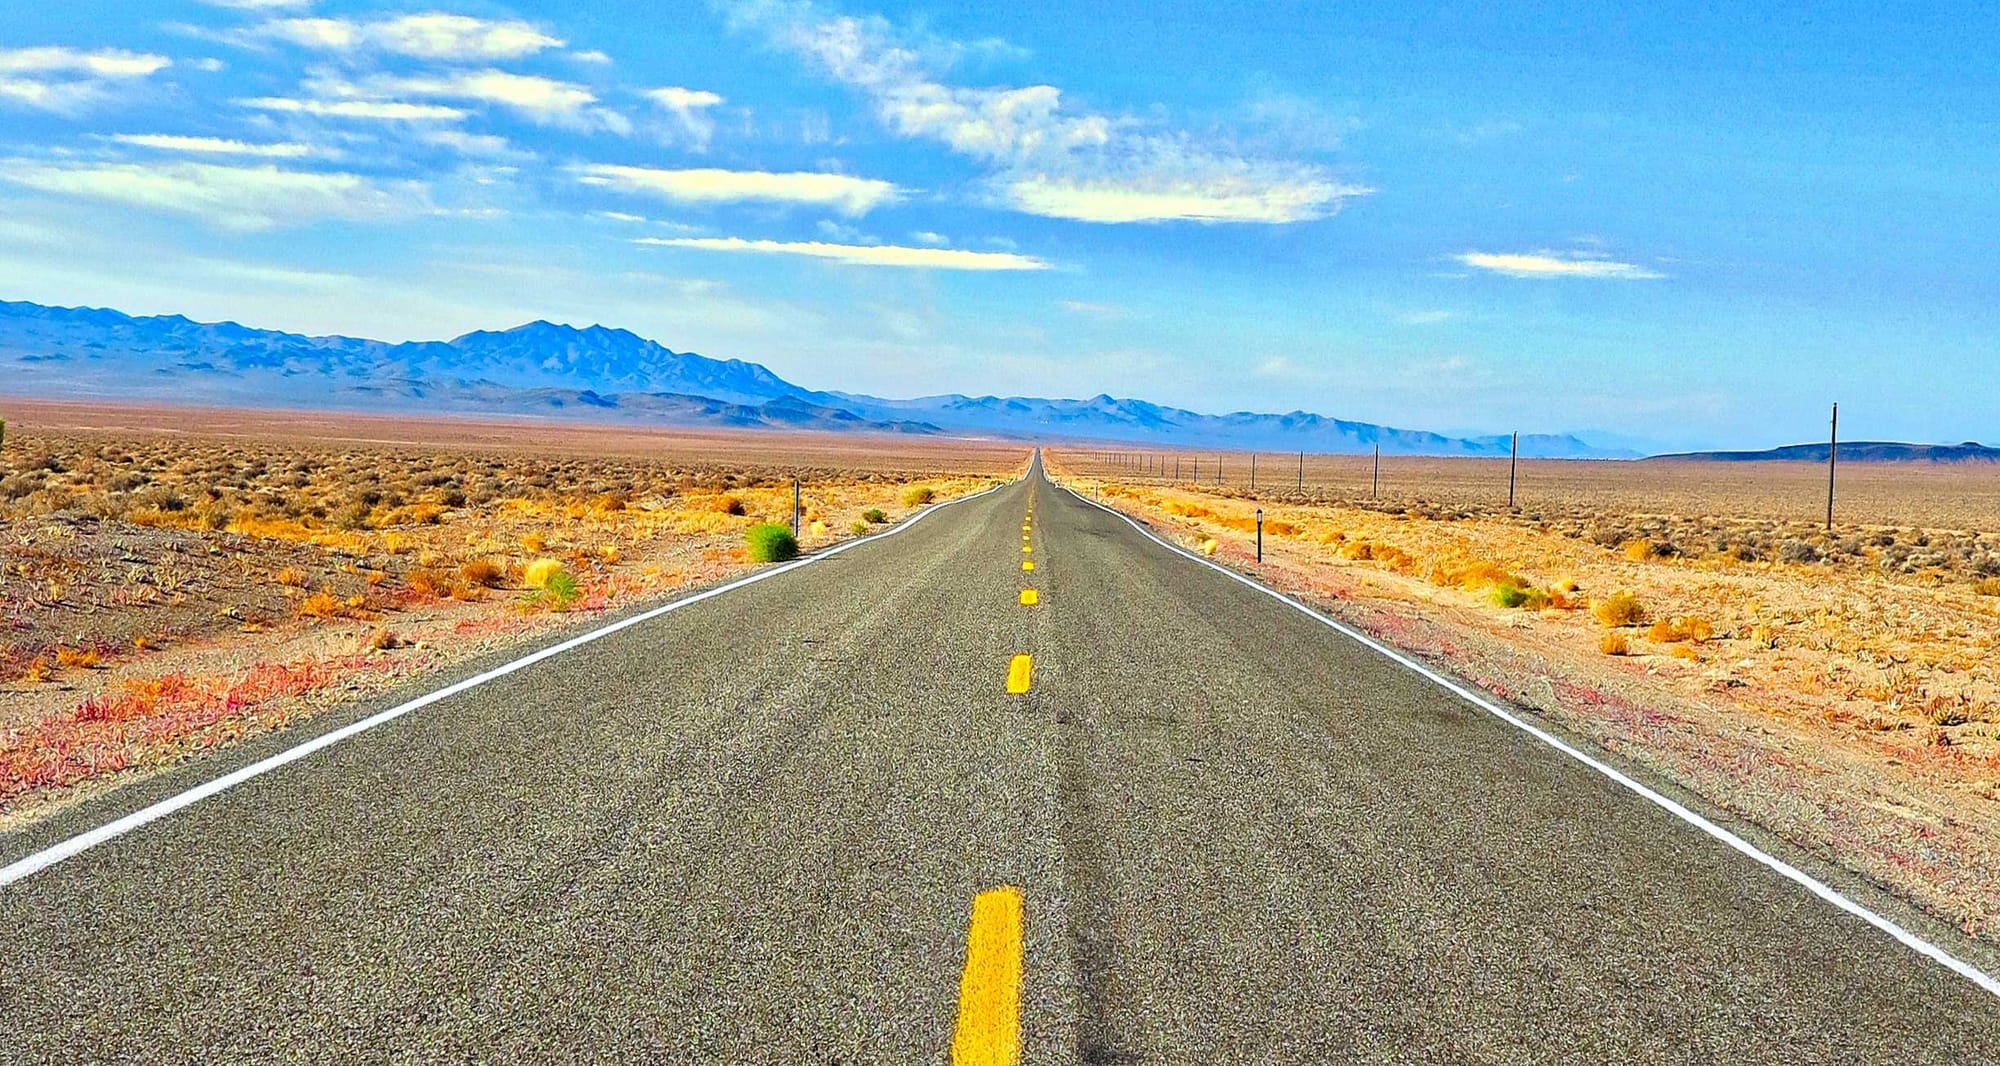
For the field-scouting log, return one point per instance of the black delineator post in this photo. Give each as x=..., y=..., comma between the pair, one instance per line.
x=1513, y=466
x=1260, y=534
x=1832, y=460
x=795, y=508
x=1376, y=489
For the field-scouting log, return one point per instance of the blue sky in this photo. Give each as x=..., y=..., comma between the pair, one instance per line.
x=1687, y=226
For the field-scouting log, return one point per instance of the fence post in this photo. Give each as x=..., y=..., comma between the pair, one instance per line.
x=1260, y=534
x=1253, y=471
x=1513, y=465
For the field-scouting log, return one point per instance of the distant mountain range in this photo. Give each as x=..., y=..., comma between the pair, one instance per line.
x=614, y=375
x=1861, y=451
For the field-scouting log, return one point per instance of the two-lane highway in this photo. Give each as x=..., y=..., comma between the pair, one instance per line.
x=949, y=795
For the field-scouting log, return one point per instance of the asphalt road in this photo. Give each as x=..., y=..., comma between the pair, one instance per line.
x=806, y=821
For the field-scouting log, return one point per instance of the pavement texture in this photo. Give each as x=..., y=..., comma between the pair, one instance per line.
x=753, y=830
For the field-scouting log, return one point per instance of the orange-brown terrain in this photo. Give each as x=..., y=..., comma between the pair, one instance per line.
x=1840, y=688
x=172, y=579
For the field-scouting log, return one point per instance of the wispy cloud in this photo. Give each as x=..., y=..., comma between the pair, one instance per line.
x=1556, y=265
x=66, y=80
x=538, y=99
x=1426, y=318
x=382, y=110
x=1051, y=159
x=1216, y=197
x=893, y=255
x=434, y=35
x=487, y=145
x=690, y=110
x=167, y=142
x=1095, y=310
x=840, y=192
x=231, y=197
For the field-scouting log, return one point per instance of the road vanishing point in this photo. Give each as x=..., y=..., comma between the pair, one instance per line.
x=939, y=797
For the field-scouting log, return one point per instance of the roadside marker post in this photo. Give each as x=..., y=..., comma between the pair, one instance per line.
x=1260, y=534
x=1513, y=465
x=1832, y=459
x=795, y=508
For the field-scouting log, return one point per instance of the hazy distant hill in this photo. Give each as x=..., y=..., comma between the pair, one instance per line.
x=609, y=374
x=1866, y=451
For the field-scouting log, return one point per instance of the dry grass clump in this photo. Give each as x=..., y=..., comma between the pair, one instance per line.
x=484, y=573
x=1681, y=630
x=77, y=658
x=1987, y=586
x=538, y=574
x=1618, y=610
x=291, y=578
x=918, y=495
x=1614, y=644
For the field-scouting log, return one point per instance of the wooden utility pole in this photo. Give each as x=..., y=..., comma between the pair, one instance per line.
x=1832, y=460
x=1513, y=467
x=1253, y=471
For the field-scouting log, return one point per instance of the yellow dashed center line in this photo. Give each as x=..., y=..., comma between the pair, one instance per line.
x=1020, y=673
x=1027, y=564
x=1029, y=597
x=989, y=992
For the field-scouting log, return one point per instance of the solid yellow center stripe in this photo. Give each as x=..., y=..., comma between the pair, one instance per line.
x=989, y=992
x=1020, y=672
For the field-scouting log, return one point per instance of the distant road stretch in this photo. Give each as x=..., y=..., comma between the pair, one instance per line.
x=1015, y=783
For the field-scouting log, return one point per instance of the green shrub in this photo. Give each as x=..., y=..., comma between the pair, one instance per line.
x=918, y=495
x=561, y=590
x=1509, y=596
x=876, y=516
x=859, y=527
x=770, y=542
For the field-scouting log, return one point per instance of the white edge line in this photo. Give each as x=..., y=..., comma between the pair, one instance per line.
x=1812, y=884
x=83, y=842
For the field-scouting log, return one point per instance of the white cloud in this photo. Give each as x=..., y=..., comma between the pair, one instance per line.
x=66, y=80
x=1052, y=159
x=489, y=145
x=167, y=142
x=690, y=108
x=538, y=99
x=232, y=197
x=1555, y=265
x=935, y=240
x=1218, y=197
x=848, y=195
x=384, y=110
x=861, y=254
x=107, y=63
x=592, y=56
x=435, y=35
x=1085, y=307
